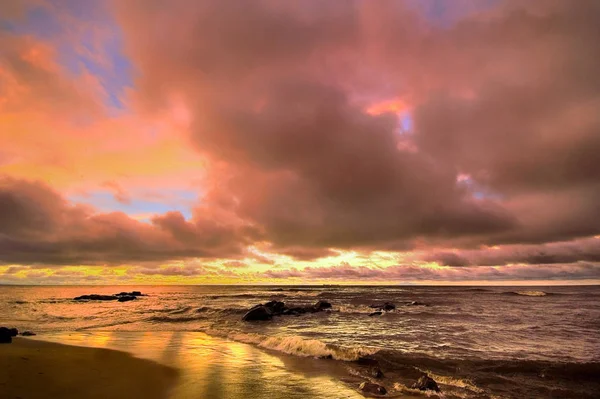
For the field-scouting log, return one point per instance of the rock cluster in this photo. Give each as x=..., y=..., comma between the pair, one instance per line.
x=387, y=306
x=381, y=307
x=276, y=308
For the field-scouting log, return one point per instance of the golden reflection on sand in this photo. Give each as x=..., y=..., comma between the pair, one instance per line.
x=214, y=368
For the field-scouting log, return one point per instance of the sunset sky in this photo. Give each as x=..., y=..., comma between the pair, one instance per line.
x=299, y=142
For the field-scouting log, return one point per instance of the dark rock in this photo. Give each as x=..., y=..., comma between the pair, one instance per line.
x=276, y=307
x=376, y=373
x=321, y=305
x=258, y=312
x=378, y=313
x=13, y=332
x=5, y=335
x=132, y=293
x=375, y=389
x=96, y=297
x=387, y=306
x=28, y=333
x=426, y=383
x=295, y=311
x=126, y=298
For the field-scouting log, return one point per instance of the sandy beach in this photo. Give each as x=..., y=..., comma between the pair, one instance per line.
x=31, y=369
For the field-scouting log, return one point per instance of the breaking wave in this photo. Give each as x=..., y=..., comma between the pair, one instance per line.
x=298, y=346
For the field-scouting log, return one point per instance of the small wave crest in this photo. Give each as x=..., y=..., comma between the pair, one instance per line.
x=181, y=310
x=463, y=383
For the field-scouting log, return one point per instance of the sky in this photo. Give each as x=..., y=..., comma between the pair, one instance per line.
x=299, y=142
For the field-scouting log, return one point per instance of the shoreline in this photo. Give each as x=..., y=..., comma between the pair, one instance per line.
x=33, y=368
x=205, y=366
x=456, y=339
x=200, y=363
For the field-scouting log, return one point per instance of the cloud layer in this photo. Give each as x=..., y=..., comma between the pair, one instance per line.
x=308, y=128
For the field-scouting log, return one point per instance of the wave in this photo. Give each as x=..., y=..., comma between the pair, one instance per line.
x=528, y=293
x=297, y=346
x=168, y=319
x=510, y=378
x=463, y=383
x=268, y=294
x=257, y=295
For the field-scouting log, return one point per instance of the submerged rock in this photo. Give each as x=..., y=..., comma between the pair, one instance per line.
x=257, y=313
x=369, y=387
x=132, y=293
x=28, y=333
x=426, y=383
x=121, y=297
x=125, y=298
x=416, y=303
x=378, y=313
x=96, y=297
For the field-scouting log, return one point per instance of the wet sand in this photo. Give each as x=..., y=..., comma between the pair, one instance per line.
x=31, y=369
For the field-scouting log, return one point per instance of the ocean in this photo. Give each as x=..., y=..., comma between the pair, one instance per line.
x=476, y=342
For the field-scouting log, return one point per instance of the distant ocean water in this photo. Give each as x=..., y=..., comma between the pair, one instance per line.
x=478, y=342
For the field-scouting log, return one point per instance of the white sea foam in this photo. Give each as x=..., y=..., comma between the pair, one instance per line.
x=531, y=293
